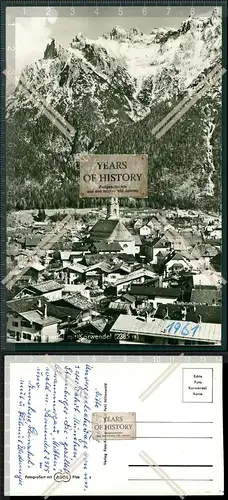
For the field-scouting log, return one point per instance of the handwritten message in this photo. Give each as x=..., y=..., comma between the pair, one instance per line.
x=186, y=329
x=54, y=422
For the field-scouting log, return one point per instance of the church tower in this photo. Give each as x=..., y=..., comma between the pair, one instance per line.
x=113, y=209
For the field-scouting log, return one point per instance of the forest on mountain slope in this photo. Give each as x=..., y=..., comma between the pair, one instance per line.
x=43, y=165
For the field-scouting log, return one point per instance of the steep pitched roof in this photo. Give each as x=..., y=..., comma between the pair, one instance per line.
x=29, y=309
x=78, y=301
x=112, y=230
x=206, y=250
x=37, y=266
x=78, y=268
x=135, y=275
x=216, y=260
x=36, y=317
x=137, y=239
x=91, y=259
x=46, y=286
x=103, y=266
x=99, y=323
x=25, y=304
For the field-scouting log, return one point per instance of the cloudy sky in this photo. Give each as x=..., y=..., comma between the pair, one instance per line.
x=38, y=25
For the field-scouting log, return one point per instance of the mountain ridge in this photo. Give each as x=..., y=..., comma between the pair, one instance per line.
x=90, y=84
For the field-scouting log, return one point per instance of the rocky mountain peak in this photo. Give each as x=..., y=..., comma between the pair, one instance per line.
x=51, y=50
x=103, y=86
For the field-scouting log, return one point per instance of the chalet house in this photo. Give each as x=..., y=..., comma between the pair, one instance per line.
x=170, y=240
x=176, y=240
x=117, y=272
x=139, y=276
x=127, y=259
x=82, y=306
x=51, y=290
x=153, y=247
x=81, y=288
x=155, y=295
x=113, y=230
x=29, y=320
x=155, y=225
x=70, y=275
x=117, y=307
x=95, y=328
x=206, y=251
x=70, y=258
x=97, y=273
x=201, y=281
x=178, y=261
x=35, y=272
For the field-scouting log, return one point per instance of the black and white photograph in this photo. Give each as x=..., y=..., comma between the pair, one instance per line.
x=114, y=175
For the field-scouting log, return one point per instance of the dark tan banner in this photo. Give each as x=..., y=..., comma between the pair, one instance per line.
x=103, y=176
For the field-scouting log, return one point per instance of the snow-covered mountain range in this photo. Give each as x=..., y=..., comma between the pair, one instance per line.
x=113, y=90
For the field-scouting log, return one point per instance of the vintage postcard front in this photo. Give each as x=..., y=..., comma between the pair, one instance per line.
x=104, y=426
x=114, y=175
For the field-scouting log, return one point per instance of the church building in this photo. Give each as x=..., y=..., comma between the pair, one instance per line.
x=112, y=230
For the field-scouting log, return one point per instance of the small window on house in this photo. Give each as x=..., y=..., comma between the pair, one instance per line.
x=15, y=323
x=11, y=333
x=27, y=336
x=26, y=324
